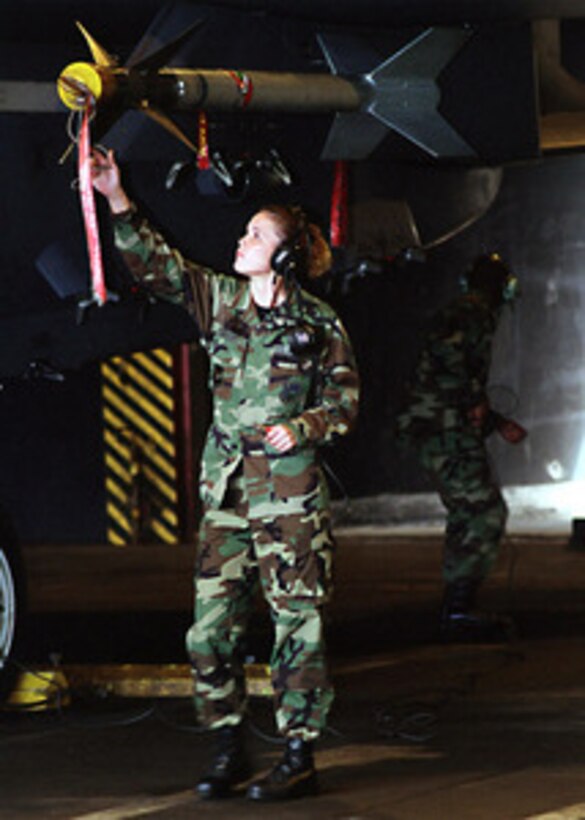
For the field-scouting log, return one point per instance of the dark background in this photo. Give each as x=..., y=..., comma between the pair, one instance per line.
x=510, y=199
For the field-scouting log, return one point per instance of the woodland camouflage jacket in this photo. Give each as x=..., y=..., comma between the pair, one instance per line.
x=295, y=365
x=453, y=368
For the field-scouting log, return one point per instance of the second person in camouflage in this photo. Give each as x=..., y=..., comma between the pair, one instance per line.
x=446, y=420
x=284, y=382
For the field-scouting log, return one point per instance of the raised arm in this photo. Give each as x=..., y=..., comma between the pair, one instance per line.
x=149, y=258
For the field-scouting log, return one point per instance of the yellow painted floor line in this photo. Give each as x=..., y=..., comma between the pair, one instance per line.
x=132, y=679
x=39, y=689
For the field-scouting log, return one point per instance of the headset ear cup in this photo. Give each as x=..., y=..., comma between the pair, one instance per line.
x=280, y=259
x=286, y=260
x=511, y=289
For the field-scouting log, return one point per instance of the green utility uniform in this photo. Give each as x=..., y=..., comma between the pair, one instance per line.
x=451, y=379
x=266, y=514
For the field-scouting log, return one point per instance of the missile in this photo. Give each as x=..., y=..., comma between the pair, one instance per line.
x=401, y=93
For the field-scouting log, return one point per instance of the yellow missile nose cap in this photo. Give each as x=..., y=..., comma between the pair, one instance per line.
x=76, y=83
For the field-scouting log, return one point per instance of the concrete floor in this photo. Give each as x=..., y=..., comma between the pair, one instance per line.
x=419, y=731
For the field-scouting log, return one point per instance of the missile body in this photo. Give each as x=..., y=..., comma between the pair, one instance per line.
x=181, y=89
x=400, y=93
x=264, y=91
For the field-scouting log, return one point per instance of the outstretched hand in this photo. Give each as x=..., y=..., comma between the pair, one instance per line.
x=105, y=175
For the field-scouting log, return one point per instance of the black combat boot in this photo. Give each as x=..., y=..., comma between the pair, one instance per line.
x=293, y=776
x=229, y=768
x=460, y=622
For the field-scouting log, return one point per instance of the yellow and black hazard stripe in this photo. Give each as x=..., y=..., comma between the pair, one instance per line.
x=139, y=426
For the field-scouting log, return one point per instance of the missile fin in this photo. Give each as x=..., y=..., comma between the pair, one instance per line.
x=166, y=122
x=427, y=55
x=428, y=130
x=347, y=54
x=161, y=56
x=99, y=54
x=400, y=94
x=404, y=94
x=353, y=135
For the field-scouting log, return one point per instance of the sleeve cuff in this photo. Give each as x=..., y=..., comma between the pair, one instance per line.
x=124, y=216
x=300, y=435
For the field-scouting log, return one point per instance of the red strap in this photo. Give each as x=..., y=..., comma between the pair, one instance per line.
x=339, y=218
x=203, y=144
x=88, y=208
x=245, y=86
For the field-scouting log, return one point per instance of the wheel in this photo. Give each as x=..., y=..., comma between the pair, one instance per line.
x=11, y=613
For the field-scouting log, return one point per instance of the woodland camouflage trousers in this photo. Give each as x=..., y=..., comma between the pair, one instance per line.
x=476, y=510
x=290, y=557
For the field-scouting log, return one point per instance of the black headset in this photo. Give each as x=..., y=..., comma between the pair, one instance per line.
x=493, y=263
x=289, y=259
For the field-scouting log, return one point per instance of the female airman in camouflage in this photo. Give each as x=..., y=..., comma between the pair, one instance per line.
x=284, y=382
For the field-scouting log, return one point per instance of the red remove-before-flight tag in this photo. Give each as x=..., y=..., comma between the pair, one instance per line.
x=96, y=266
